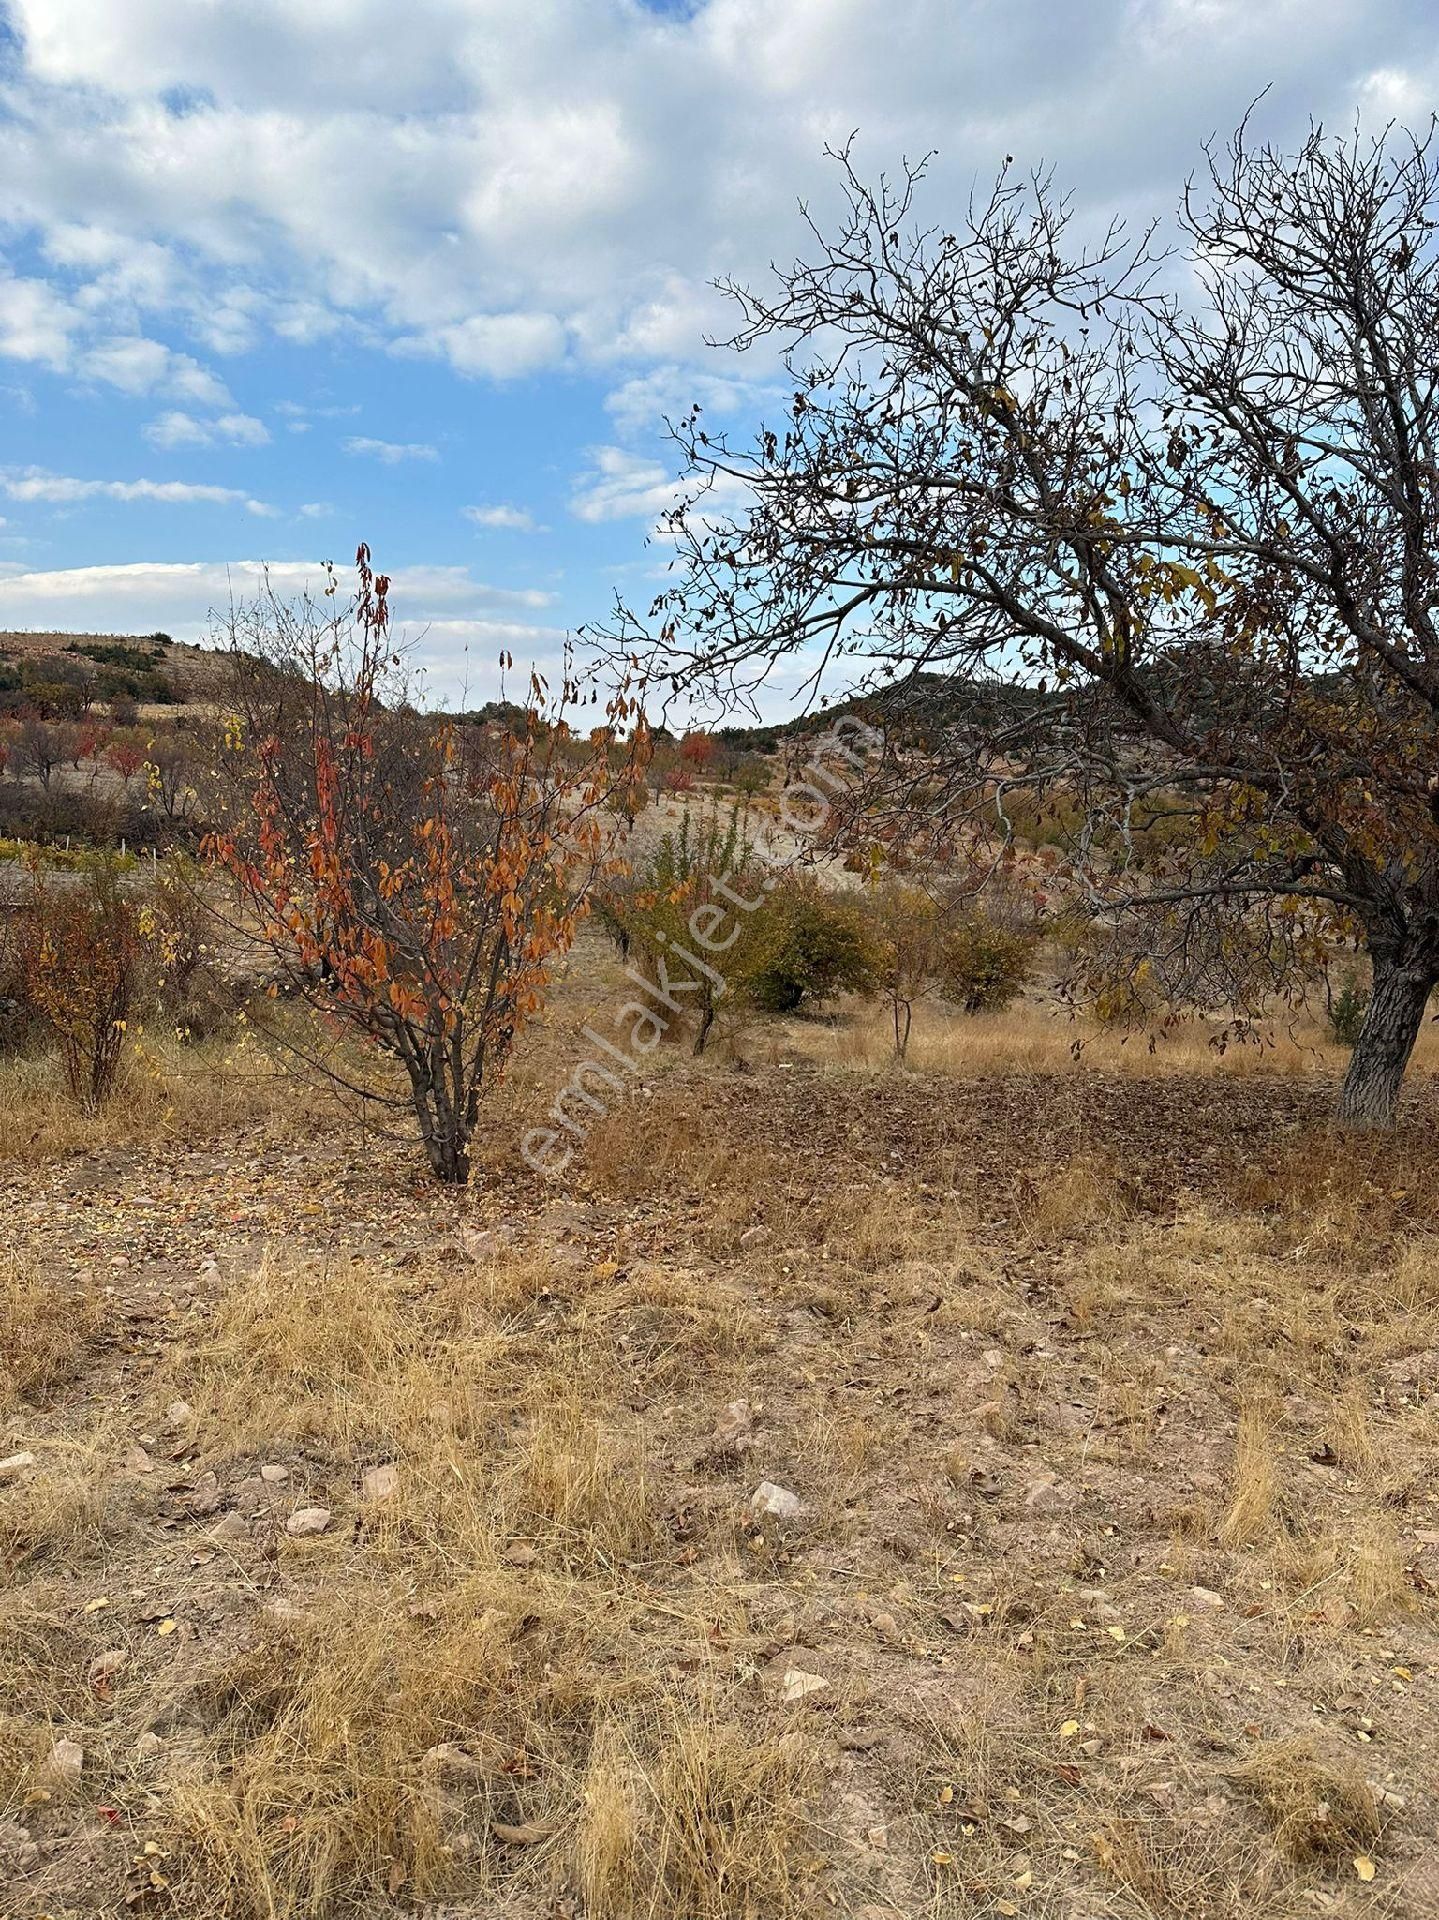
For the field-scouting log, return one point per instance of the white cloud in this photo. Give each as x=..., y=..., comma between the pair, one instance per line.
x=644, y=402
x=500, y=345
x=620, y=485
x=59, y=489
x=439, y=611
x=316, y=510
x=392, y=452
x=447, y=587
x=504, y=183
x=137, y=365
x=35, y=323
x=502, y=518
x=180, y=429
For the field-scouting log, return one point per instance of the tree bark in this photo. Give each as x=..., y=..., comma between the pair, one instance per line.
x=444, y=1132
x=1370, y=1094
x=903, y=1016
x=702, y=1032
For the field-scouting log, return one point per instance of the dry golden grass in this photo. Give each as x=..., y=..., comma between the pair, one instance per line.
x=61, y=1514
x=1034, y=1038
x=460, y=1683
x=1317, y=1802
x=48, y=1330
x=167, y=1090
x=1250, y=1515
x=1103, y=1501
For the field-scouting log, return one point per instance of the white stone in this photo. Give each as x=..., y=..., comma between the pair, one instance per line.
x=779, y=1501
x=306, y=1521
x=798, y=1685
x=64, y=1765
x=229, y=1530
x=106, y=1665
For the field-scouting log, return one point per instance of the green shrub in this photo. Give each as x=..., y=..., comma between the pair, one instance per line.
x=810, y=945
x=677, y=912
x=1347, y=1010
x=983, y=965
x=907, y=928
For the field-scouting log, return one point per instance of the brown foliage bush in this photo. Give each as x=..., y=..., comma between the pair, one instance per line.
x=79, y=960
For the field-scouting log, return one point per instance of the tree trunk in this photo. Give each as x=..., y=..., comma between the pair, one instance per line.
x=903, y=1015
x=702, y=1032
x=1370, y=1094
x=443, y=1130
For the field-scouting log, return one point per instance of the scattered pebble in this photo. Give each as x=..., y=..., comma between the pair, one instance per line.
x=798, y=1685
x=734, y=1432
x=1046, y=1495
x=380, y=1483
x=14, y=1465
x=306, y=1521
x=63, y=1766
x=103, y=1668
x=229, y=1530
x=772, y=1499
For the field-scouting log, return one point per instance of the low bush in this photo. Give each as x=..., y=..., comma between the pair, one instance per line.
x=677, y=912
x=191, y=990
x=79, y=963
x=907, y=929
x=983, y=965
x=1347, y=1010
x=809, y=946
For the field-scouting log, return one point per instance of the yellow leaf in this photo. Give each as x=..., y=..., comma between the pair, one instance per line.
x=1069, y=1729
x=1116, y=1633
x=165, y=1626
x=942, y=1859
x=94, y=1606
x=1364, y=1866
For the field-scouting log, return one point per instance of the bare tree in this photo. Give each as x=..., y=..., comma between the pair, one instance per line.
x=40, y=747
x=1173, y=561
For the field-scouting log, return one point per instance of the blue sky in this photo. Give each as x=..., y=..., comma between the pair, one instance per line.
x=275, y=278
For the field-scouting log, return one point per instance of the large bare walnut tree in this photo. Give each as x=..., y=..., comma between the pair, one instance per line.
x=1173, y=555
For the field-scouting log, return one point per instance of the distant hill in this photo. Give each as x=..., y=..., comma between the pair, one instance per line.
x=152, y=665
x=919, y=709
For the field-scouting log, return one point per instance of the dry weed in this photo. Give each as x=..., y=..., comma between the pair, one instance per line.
x=1317, y=1804
x=167, y=1090
x=49, y=1328
x=1255, y=1479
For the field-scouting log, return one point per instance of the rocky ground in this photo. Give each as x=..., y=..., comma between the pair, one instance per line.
x=840, y=1493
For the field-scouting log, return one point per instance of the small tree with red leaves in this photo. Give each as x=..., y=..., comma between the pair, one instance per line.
x=125, y=758
x=414, y=882
x=698, y=752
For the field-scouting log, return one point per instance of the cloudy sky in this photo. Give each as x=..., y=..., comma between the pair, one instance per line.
x=275, y=277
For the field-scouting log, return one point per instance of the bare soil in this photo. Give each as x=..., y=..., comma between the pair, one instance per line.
x=1109, y=1404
